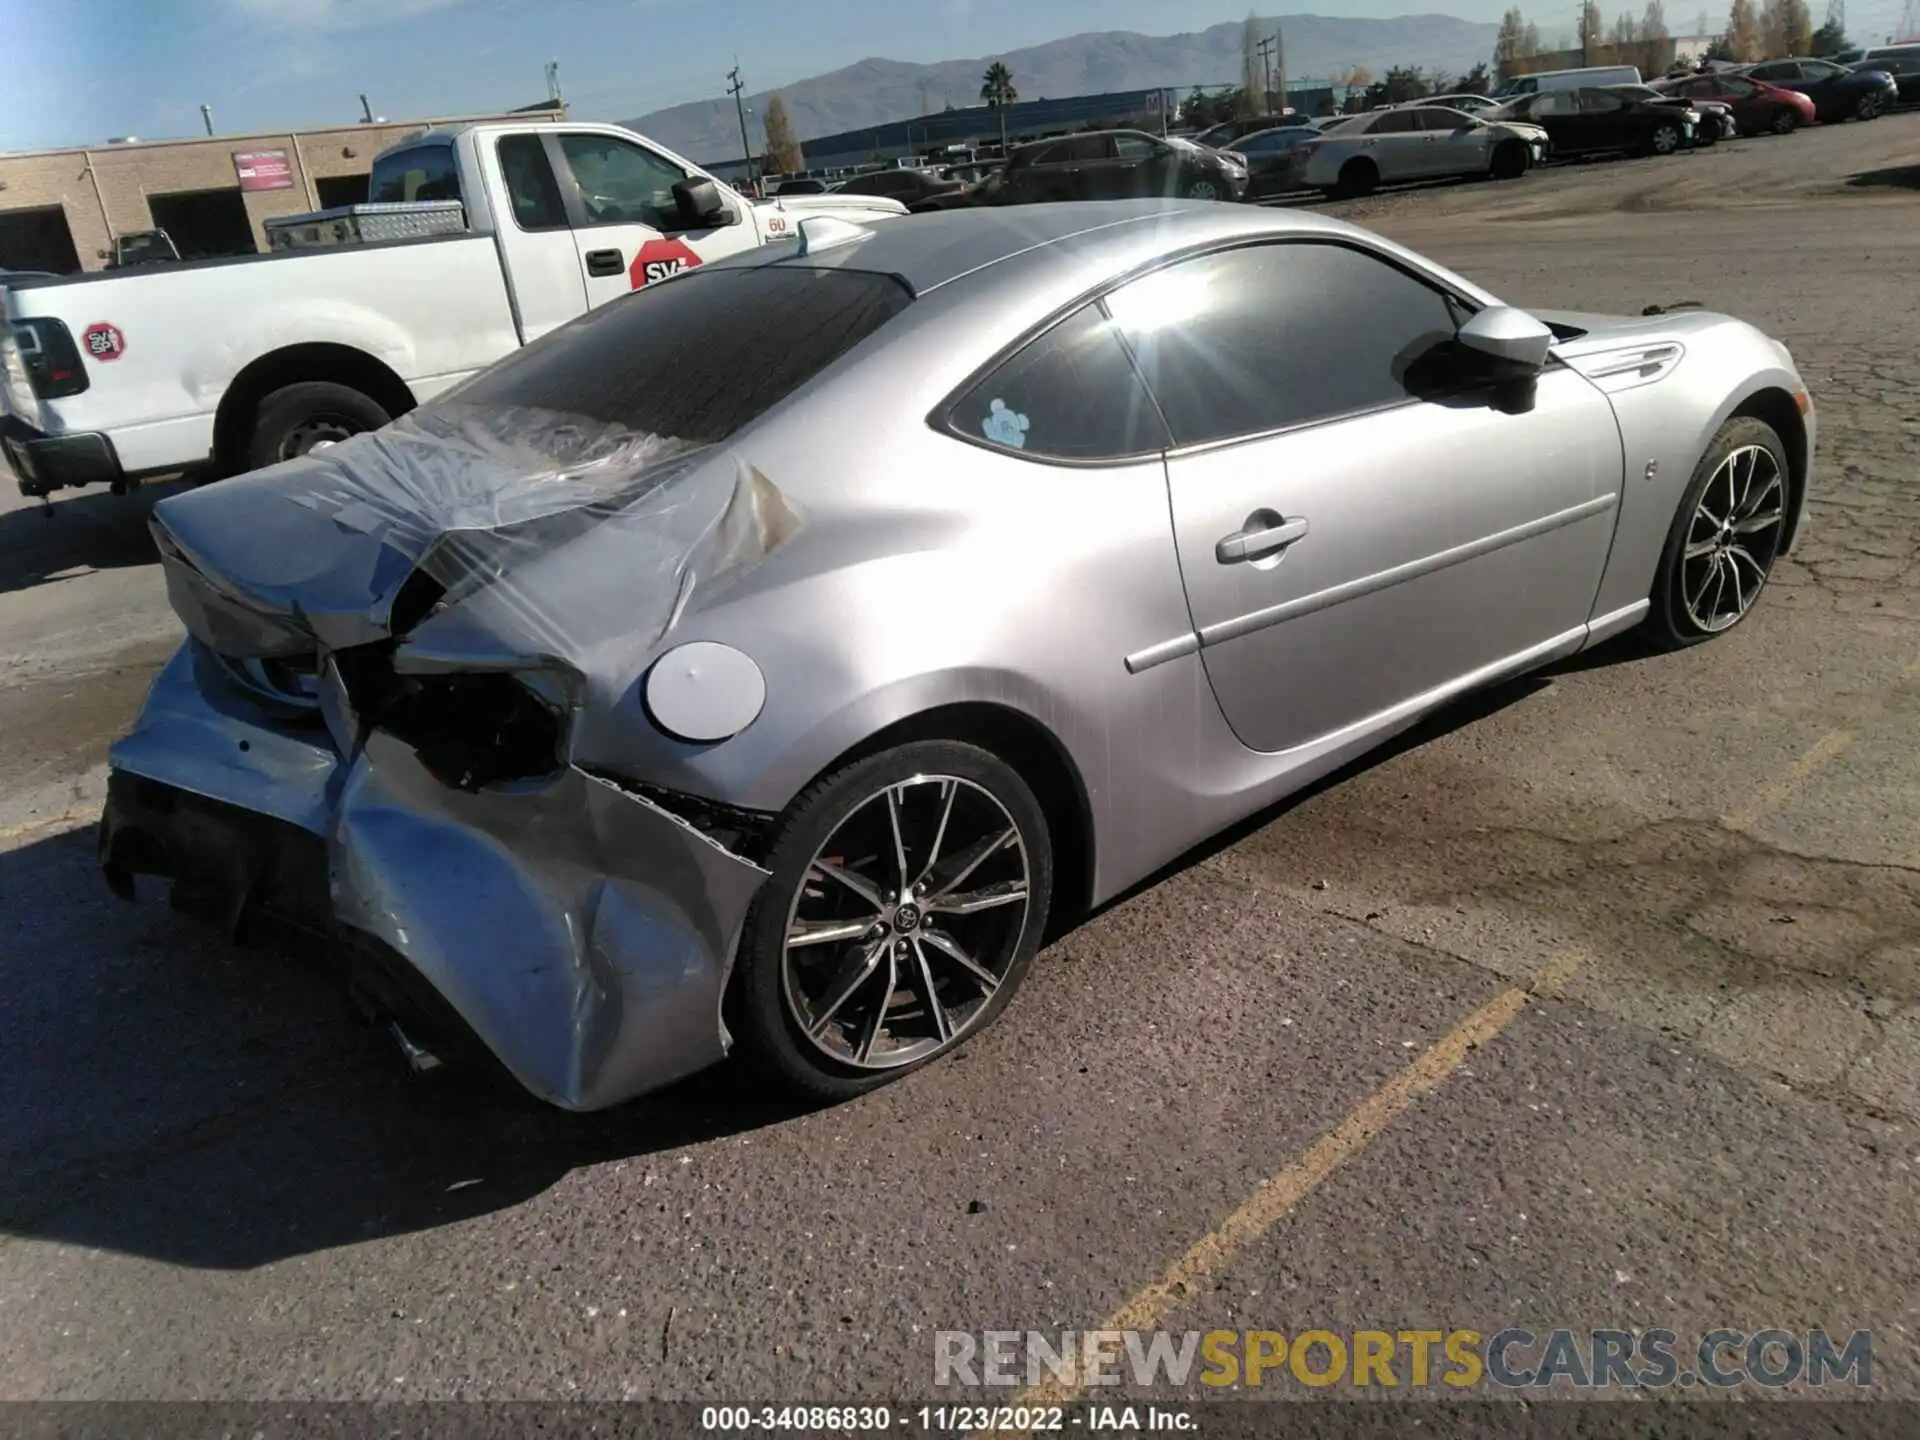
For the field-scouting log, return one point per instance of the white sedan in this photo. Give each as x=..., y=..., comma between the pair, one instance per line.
x=1421, y=142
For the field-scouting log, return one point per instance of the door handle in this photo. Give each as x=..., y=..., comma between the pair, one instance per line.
x=605, y=262
x=1263, y=535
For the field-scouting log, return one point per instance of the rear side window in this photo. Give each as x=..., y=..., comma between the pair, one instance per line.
x=534, y=193
x=1262, y=338
x=424, y=172
x=699, y=356
x=1071, y=394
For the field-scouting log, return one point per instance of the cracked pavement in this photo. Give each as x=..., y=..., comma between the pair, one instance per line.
x=212, y=1185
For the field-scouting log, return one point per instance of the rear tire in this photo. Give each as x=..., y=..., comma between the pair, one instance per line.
x=296, y=419
x=1785, y=121
x=1868, y=108
x=1357, y=178
x=1510, y=160
x=869, y=981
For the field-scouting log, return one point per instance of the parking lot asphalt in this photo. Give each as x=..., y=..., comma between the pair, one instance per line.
x=1594, y=1002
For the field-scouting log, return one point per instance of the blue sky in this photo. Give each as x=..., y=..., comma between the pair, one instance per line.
x=79, y=71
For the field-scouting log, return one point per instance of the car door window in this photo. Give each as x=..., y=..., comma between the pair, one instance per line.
x=1599, y=102
x=1071, y=394
x=1247, y=341
x=531, y=189
x=621, y=182
x=1083, y=148
x=1729, y=86
x=1779, y=70
x=1395, y=122
x=1133, y=147
x=1434, y=119
x=1554, y=102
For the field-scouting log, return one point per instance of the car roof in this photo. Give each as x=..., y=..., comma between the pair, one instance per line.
x=933, y=250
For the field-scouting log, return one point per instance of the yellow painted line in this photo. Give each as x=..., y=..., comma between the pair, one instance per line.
x=1279, y=1195
x=71, y=817
x=1822, y=753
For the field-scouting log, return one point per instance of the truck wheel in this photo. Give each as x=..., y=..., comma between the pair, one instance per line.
x=298, y=418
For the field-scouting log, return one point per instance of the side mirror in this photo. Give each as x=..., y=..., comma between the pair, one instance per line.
x=1512, y=337
x=700, y=204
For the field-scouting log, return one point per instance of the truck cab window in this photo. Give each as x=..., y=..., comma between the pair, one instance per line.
x=425, y=172
x=621, y=183
x=534, y=193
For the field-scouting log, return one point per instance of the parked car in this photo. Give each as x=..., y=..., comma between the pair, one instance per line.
x=916, y=188
x=1837, y=93
x=1219, y=137
x=1902, y=62
x=592, y=714
x=1270, y=156
x=1468, y=101
x=225, y=365
x=1716, y=121
x=1758, y=108
x=1517, y=85
x=805, y=185
x=1118, y=164
x=1388, y=147
x=1591, y=120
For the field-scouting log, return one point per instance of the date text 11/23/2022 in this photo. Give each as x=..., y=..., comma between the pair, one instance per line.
x=947, y=1419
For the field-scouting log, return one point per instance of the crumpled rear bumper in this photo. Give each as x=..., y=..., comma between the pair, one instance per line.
x=577, y=931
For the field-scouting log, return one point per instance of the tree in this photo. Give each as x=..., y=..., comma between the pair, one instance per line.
x=1530, y=40
x=784, y=156
x=1624, y=35
x=1252, y=72
x=1830, y=38
x=1653, y=23
x=996, y=88
x=1506, y=44
x=1793, y=27
x=1475, y=82
x=1743, y=33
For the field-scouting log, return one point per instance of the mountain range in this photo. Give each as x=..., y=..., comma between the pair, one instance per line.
x=873, y=91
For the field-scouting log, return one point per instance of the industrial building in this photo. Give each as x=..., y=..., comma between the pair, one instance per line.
x=62, y=210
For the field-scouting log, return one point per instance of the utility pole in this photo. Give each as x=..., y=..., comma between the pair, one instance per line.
x=366, y=111
x=206, y=114
x=553, y=81
x=1280, y=61
x=1265, y=47
x=734, y=88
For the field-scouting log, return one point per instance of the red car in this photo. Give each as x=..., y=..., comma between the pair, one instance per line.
x=1758, y=108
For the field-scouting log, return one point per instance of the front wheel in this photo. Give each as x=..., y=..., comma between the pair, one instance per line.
x=1357, y=179
x=1868, y=108
x=1509, y=160
x=907, y=896
x=1785, y=121
x=1664, y=140
x=297, y=419
x=1725, y=537
x=1203, y=189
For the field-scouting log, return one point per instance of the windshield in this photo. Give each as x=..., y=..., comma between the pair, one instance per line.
x=697, y=357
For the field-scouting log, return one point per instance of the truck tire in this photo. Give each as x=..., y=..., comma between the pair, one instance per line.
x=296, y=418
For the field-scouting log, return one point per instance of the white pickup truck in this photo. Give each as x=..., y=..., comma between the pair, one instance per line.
x=223, y=366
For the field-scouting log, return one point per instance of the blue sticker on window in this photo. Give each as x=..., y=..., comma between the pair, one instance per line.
x=1004, y=426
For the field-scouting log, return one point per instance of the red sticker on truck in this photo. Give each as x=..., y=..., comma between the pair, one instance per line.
x=104, y=341
x=659, y=259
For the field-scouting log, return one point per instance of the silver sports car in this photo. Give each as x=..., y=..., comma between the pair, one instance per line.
x=767, y=656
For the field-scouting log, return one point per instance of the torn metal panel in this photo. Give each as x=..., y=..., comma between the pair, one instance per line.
x=201, y=732
x=583, y=932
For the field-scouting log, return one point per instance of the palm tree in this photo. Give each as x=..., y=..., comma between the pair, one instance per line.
x=996, y=88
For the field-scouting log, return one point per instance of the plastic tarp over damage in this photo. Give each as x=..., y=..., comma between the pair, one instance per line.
x=583, y=931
